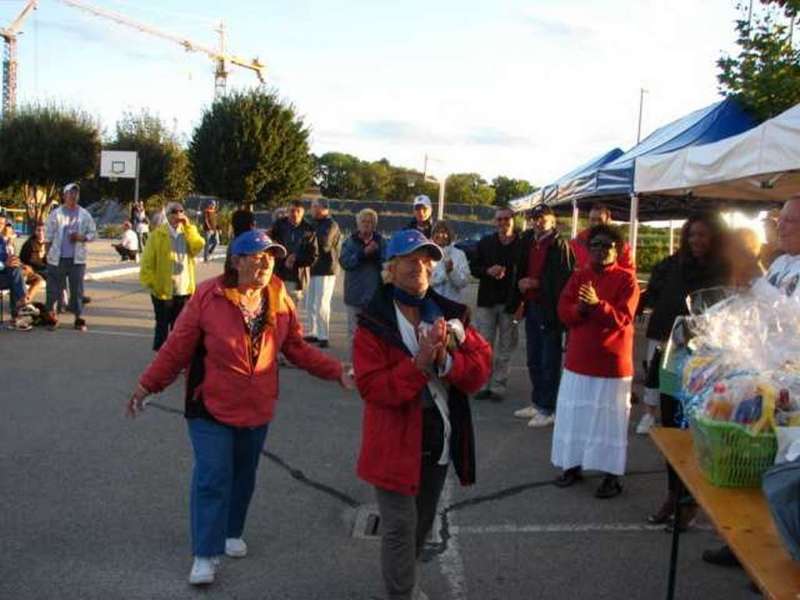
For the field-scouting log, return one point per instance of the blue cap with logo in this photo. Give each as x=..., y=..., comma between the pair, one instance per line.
x=407, y=241
x=253, y=242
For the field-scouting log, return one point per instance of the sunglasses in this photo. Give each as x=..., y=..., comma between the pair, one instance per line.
x=176, y=211
x=603, y=245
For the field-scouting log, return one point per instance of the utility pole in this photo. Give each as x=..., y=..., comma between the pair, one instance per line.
x=642, y=92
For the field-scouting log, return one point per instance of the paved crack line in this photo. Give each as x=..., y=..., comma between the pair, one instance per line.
x=295, y=474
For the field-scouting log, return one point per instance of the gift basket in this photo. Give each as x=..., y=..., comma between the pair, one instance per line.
x=740, y=381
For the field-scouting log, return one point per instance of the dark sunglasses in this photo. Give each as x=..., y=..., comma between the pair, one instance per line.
x=603, y=245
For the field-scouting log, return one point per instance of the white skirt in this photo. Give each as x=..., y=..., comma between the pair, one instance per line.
x=591, y=429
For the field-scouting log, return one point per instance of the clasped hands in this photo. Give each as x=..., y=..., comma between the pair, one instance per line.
x=432, y=347
x=587, y=297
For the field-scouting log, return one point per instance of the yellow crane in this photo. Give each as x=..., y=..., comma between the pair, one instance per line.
x=9, y=35
x=219, y=55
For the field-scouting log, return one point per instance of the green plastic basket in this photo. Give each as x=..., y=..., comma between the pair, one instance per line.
x=729, y=455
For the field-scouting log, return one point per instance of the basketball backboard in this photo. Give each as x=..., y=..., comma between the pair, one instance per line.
x=116, y=164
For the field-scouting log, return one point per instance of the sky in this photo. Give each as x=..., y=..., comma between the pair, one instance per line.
x=527, y=89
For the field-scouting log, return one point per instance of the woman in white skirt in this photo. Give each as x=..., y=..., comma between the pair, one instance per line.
x=597, y=307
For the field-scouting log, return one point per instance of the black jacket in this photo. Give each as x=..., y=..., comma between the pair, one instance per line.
x=300, y=241
x=489, y=252
x=328, y=245
x=671, y=281
x=426, y=228
x=557, y=270
x=380, y=318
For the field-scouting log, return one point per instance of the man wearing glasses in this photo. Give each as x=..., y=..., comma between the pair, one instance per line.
x=545, y=264
x=167, y=268
x=493, y=265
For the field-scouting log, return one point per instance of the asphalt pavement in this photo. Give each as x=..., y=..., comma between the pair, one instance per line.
x=94, y=505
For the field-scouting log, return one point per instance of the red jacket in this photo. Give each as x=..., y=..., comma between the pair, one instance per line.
x=391, y=387
x=580, y=248
x=233, y=389
x=600, y=343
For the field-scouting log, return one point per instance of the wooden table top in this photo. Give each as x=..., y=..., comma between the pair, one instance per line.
x=741, y=517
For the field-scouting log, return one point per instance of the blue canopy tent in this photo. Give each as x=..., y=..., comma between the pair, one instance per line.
x=574, y=178
x=612, y=182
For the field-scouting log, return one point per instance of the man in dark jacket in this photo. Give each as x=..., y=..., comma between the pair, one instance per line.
x=297, y=236
x=494, y=265
x=323, y=274
x=423, y=216
x=545, y=264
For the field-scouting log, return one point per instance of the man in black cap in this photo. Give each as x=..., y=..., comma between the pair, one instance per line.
x=323, y=273
x=545, y=264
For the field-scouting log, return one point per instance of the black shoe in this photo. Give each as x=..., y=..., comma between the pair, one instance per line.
x=688, y=514
x=80, y=324
x=722, y=557
x=86, y=299
x=323, y=343
x=311, y=339
x=569, y=477
x=495, y=397
x=609, y=487
x=483, y=395
x=665, y=513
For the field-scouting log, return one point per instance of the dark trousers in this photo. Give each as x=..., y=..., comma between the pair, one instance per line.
x=670, y=411
x=57, y=278
x=406, y=522
x=13, y=280
x=166, y=312
x=543, y=346
x=125, y=253
x=223, y=480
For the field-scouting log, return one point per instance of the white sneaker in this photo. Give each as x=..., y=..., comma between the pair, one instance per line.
x=203, y=571
x=235, y=548
x=540, y=420
x=526, y=413
x=28, y=310
x=645, y=424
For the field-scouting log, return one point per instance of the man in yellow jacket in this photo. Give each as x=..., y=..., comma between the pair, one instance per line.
x=167, y=268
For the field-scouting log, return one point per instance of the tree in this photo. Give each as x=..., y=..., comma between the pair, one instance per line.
x=340, y=175
x=164, y=166
x=765, y=76
x=43, y=147
x=506, y=188
x=251, y=148
x=468, y=188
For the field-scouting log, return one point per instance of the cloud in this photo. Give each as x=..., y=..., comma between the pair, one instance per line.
x=496, y=137
x=411, y=133
x=555, y=28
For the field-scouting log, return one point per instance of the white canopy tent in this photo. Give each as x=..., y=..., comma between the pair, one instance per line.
x=758, y=167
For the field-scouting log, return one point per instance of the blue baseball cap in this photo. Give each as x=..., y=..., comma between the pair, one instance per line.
x=253, y=242
x=407, y=241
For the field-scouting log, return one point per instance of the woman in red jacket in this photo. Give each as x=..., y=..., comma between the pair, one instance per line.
x=227, y=338
x=416, y=359
x=597, y=306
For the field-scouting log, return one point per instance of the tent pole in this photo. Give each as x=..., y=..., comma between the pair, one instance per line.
x=671, y=237
x=633, y=232
x=575, y=214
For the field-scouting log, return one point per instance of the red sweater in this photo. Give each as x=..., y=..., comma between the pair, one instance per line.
x=600, y=343
x=580, y=248
x=236, y=389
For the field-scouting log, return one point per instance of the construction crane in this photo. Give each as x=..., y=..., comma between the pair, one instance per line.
x=9, y=35
x=219, y=56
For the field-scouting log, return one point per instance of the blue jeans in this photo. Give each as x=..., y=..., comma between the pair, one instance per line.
x=223, y=479
x=13, y=280
x=544, y=359
x=212, y=239
x=57, y=278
